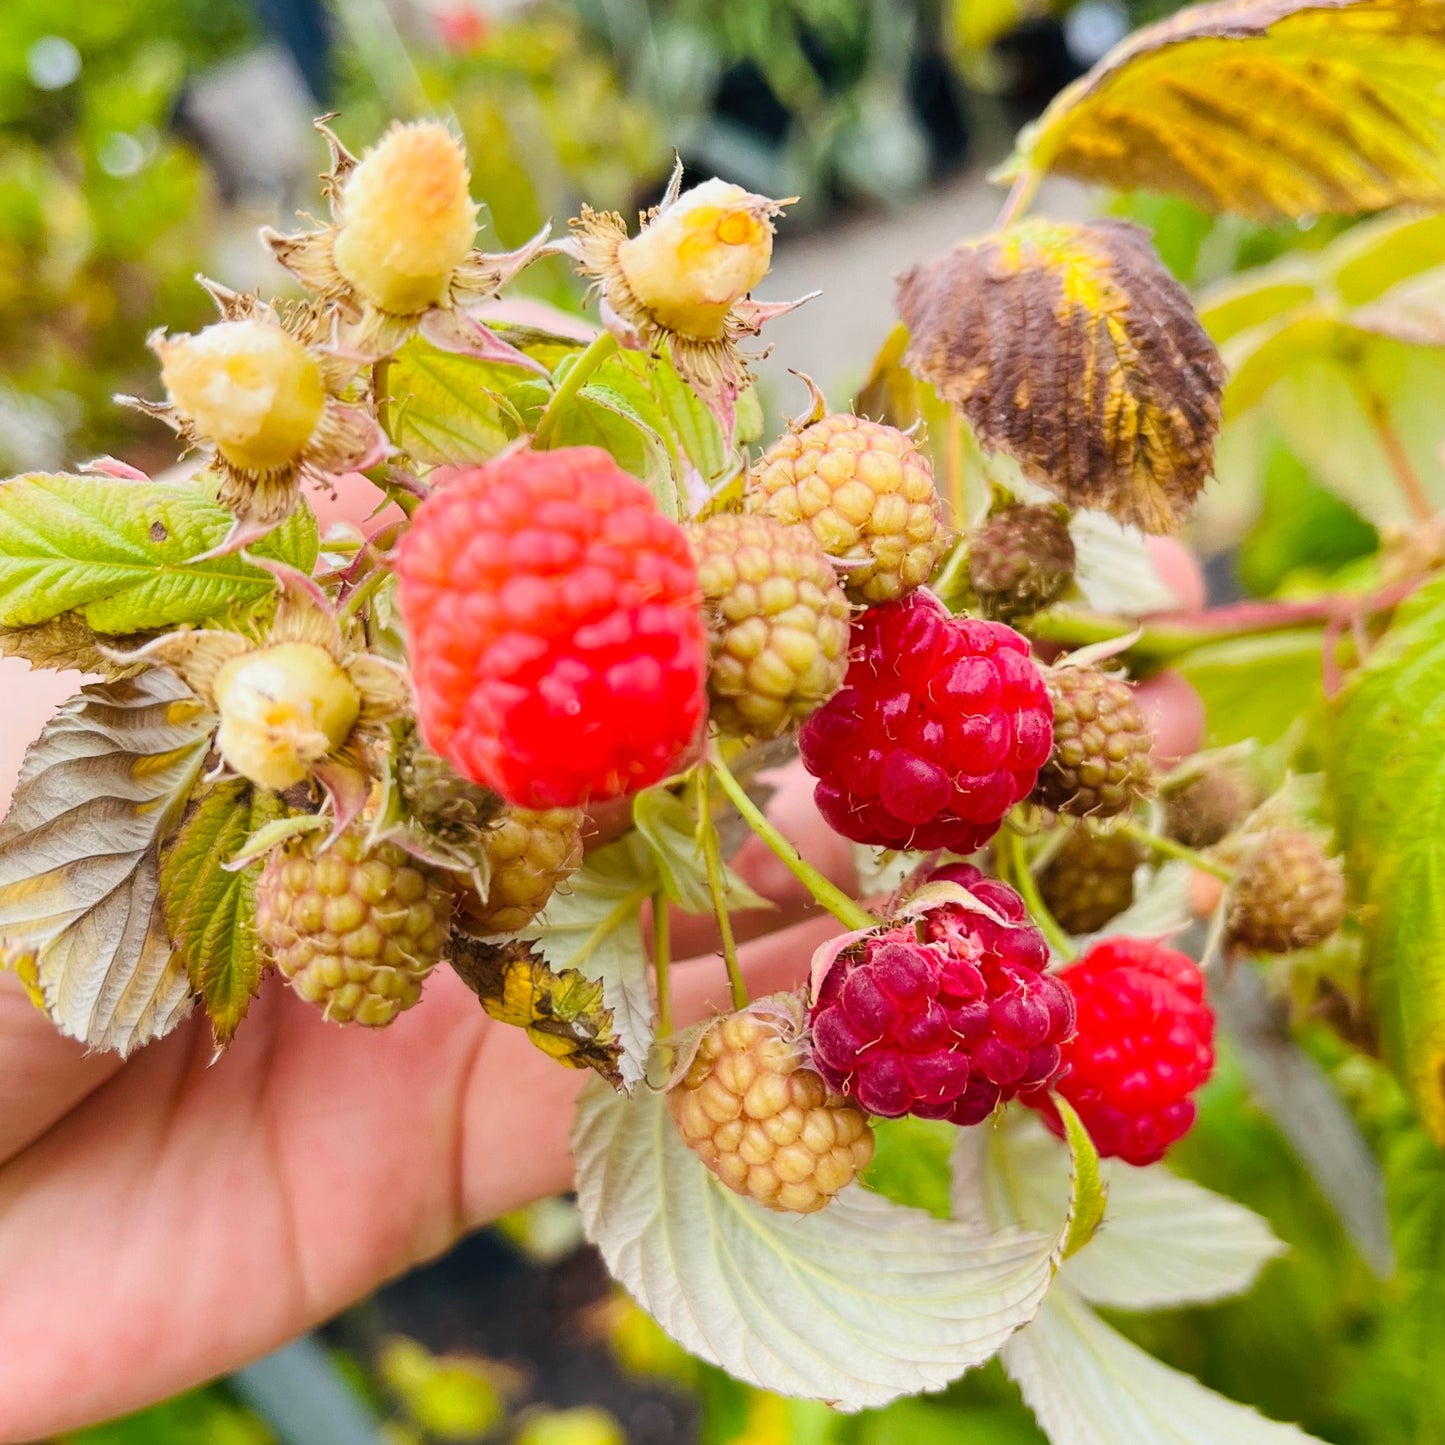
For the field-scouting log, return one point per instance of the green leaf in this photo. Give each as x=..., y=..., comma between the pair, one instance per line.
x=79, y=875
x=1090, y=1193
x=910, y=1163
x=670, y=828
x=594, y=926
x=447, y=408
x=211, y=911
x=858, y=1304
x=118, y=554
x=1387, y=782
x=602, y=417
x=1255, y=687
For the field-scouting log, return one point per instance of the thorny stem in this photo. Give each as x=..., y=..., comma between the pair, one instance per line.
x=1018, y=199
x=828, y=895
x=662, y=962
x=1023, y=879
x=380, y=395
x=598, y=350
x=1170, y=849
x=712, y=860
x=1412, y=488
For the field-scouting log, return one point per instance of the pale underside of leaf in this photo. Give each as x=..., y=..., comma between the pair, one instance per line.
x=858, y=1304
x=594, y=925
x=1088, y=1385
x=1273, y=109
x=79, y=857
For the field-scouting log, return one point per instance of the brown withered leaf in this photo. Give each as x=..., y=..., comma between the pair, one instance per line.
x=561, y=1010
x=67, y=642
x=1072, y=349
x=1272, y=109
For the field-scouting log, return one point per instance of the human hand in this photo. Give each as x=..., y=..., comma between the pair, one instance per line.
x=165, y=1220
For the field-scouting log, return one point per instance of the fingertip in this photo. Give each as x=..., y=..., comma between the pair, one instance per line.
x=1179, y=571
x=1175, y=713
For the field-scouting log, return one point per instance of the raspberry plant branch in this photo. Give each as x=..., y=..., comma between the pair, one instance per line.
x=1014, y=861
x=846, y=910
x=1170, y=848
x=712, y=861
x=380, y=392
x=598, y=350
x=1019, y=199
x=1407, y=479
x=662, y=962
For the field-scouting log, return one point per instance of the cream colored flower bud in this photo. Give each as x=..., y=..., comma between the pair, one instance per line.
x=282, y=709
x=247, y=386
x=698, y=257
x=408, y=219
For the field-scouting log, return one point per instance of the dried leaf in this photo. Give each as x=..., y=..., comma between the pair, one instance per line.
x=561, y=1010
x=209, y=908
x=79, y=874
x=1273, y=109
x=1072, y=349
x=66, y=642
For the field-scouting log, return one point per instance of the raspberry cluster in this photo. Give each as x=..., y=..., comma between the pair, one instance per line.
x=557, y=638
x=948, y=1020
x=1145, y=1043
x=940, y=728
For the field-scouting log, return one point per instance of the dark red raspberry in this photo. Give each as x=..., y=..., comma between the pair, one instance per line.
x=557, y=640
x=941, y=726
x=948, y=1025
x=1145, y=1043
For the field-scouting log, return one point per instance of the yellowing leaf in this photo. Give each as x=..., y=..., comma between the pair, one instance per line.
x=1265, y=108
x=562, y=1011
x=210, y=909
x=79, y=880
x=1072, y=349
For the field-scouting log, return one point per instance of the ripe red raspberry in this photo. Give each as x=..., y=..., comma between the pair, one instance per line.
x=948, y=1025
x=940, y=728
x=557, y=639
x=1145, y=1043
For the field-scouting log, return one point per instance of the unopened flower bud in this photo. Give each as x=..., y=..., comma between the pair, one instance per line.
x=249, y=387
x=700, y=255
x=408, y=219
x=282, y=709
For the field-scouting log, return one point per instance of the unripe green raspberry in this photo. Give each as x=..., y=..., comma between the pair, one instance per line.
x=867, y=493
x=446, y=804
x=1209, y=806
x=1101, y=763
x=356, y=931
x=407, y=218
x=526, y=856
x=1021, y=560
x=778, y=623
x=760, y=1116
x=1090, y=880
x=1288, y=894
x=283, y=708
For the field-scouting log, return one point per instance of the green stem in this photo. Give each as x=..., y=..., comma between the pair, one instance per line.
x=361, y=593
x=380, y=393
x=1170, y=849
x=848, y=912
x=662, y=962
x=712, y=860
x=598, y=350
x=1019, y=199
x=1023, y=879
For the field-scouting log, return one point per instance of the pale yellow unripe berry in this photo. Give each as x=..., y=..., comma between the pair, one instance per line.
x=253, y=390
x=703, y=253
x=408, y=219
x=283, y=708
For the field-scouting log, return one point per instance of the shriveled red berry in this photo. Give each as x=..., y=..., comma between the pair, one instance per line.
x=1145, y=1043
x=557, y=639
x=940, y=727
x=949, y=1025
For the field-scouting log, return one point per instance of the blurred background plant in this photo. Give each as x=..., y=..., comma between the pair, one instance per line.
x=141, y=144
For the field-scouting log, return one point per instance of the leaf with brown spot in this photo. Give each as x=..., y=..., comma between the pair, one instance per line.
x=66, y=642
x=1272, y=109
x=561, y=1010
x=1072, y=349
